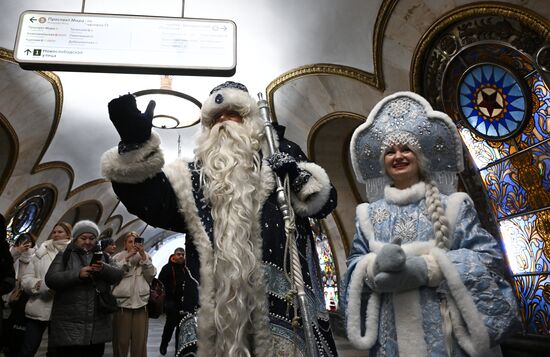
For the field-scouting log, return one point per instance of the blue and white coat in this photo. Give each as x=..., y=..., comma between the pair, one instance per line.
x=468, y=305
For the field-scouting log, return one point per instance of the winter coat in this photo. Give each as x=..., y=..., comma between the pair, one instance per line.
x=75, y=319
x=467, y=306
x=132, y=292
x=171, y=197
x=7, y=272
x=39, y=305
x=181, y=289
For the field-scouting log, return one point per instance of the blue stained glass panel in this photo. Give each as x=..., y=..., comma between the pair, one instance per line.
x=507, y=196
x=534, y=302
x=491, y=94
x=523, y=244
x=539, y=129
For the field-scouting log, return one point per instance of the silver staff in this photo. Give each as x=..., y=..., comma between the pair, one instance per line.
x=283, y=201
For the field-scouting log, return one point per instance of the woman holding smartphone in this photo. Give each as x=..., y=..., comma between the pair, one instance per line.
x=39, y=306
x=77, y=327
x=131, y=322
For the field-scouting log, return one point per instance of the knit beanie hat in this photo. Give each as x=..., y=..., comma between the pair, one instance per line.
x=85, y=227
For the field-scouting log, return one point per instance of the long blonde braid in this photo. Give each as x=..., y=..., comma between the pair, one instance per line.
x=437, y=216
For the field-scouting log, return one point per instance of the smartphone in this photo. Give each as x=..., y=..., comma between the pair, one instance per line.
x=138, y=240
x=96, y=258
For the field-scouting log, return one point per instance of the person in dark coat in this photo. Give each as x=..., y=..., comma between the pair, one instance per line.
x=108, y=247
x=180, y=288
x=77, y=328
x=7, y=273
x=226, y=202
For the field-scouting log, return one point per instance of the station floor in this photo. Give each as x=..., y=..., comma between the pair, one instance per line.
x=155, y=331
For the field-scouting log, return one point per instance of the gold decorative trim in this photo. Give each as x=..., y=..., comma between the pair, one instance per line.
x=19, y=199
x=85, y=203
x=312, y=137
x=7, y=55
x=85, y=186
x=113, y=211
x=130, y=223
x=14, y=146
x=523, y=15
x=375, y=79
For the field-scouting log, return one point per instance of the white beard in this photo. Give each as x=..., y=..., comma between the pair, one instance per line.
x=229, y=158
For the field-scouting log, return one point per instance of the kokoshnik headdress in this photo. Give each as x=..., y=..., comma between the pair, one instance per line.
x=406, y=118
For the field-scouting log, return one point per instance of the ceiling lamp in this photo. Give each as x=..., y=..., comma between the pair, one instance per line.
x=173, y=110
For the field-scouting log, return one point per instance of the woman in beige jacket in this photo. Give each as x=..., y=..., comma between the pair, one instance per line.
x=131, y=323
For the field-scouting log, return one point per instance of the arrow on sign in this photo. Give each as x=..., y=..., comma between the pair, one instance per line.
x=27, y=51
x=32, y=19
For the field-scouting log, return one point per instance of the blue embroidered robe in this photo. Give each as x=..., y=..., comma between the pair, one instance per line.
x=468, y=312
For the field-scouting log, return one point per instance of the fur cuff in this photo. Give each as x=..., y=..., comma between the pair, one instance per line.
x=435, y=276
x=315, y=193
x=134, y=166
x=353, y=325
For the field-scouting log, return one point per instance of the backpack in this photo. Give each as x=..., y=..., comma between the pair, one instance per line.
x=155, y=306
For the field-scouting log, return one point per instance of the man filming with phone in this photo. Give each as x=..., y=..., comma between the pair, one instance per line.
x=131, y=322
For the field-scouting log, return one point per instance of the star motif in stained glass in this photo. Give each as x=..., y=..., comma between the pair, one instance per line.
x=490, y=102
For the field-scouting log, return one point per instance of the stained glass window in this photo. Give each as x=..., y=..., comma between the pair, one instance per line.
x=516, y=176
x=328, y=270
x=515, y=170
x=29, y=215
x=490, y=83
x=492, y=101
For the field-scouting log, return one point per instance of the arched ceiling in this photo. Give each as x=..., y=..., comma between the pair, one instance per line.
x=324, y=65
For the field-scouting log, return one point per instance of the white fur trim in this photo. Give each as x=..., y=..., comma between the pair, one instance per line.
x=315, y=193
x=134, y=166
x=403, y=197
x=473, y=337
x=180, y=178
x=265, y=149
x=365, y=226
x=435, y=276
x=353, y=327
x=233, y=99
x=267, y=182
x=454, y=203
x=408, y=324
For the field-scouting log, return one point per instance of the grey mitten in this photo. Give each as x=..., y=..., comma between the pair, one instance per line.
x=412, y=276
x=391, y=258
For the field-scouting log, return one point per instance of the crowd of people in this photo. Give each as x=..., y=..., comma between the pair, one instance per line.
x=424, y=278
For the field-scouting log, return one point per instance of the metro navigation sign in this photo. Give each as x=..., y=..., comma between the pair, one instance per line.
x=66, y=41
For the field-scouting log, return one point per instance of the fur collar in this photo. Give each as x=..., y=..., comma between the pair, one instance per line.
x=404, y=197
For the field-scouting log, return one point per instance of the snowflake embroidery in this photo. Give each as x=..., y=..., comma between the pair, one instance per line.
x=367, y=150
x=405, y=229
x=380, y=215
x=398, y=108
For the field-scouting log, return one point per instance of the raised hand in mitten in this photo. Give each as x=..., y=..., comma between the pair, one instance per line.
x=133, y=126
x=413, y=275
x=391, y=258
